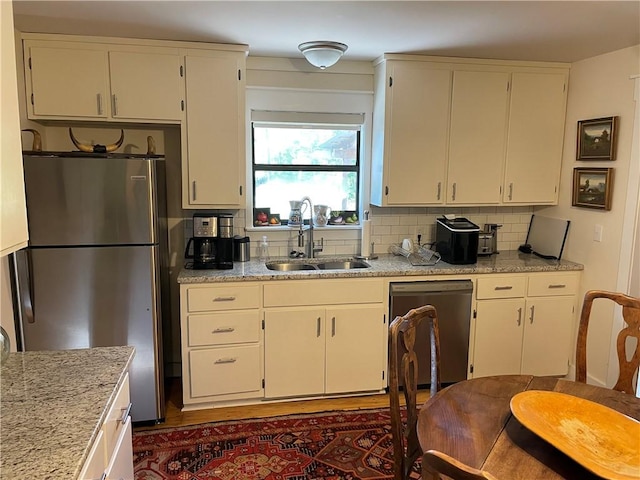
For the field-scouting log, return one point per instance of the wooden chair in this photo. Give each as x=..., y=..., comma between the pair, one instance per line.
x=406, y=448
x=435, y=463
x=631, y=315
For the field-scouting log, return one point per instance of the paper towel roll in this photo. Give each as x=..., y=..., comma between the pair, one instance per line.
x=365, y=248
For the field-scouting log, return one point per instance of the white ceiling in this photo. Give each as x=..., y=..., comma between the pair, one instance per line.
x=564, y=31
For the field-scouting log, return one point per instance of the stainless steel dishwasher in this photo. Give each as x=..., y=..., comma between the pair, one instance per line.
x=452, y=299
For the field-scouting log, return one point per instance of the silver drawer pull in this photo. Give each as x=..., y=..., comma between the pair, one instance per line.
x=557, y=285
x=225, y=360
x=125, y=414
x=223, y=330
x=230, y=298
x=507, y=287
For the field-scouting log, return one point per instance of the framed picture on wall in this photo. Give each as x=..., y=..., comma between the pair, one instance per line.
x=592, y=187
x=597, y=139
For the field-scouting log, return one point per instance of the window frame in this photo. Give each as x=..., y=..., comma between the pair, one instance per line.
x=282, y=120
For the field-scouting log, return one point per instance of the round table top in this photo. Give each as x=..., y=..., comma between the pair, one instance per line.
x=472, y=422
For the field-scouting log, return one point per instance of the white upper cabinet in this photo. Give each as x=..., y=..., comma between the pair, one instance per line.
x=463, y=132
x=97, y=81
x=72, y=82
x=214, y=148
x=478, y=131
x=410, y=133
x=145, y=85
x=535, y=140
x=13, y=214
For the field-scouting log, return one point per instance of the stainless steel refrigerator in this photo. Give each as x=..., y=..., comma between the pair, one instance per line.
x=96, y=266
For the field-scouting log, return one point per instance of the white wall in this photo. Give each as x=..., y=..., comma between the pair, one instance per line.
x=599, y=87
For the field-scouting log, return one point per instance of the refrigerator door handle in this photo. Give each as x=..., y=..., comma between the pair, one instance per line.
x=24, y=269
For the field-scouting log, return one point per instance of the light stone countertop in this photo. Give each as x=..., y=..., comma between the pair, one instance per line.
x=385, y=266
x=52, y=405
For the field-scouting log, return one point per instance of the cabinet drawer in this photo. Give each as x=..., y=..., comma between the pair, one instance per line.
x=552, y=285
x=232, y=297
x=117, y=417
x=219, y=371
x=328, y=292
x=512, y=286
x=224, y=328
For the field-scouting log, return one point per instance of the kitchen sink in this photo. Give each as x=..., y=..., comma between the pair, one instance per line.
x=289, y=266
x=343, y=265
x=317, y=265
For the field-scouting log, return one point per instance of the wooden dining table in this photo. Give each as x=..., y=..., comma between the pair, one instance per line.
x=472, y=421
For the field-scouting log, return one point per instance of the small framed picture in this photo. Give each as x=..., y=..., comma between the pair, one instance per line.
x=597, y=139
x=261, y=217
x=592, y=187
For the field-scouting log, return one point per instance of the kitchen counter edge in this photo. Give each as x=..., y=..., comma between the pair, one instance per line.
x=52, y=406
x=384, y=266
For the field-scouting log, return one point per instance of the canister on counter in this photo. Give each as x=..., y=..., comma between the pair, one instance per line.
x=241, y=248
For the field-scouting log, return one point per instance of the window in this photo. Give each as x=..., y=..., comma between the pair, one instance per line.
x=314, y=155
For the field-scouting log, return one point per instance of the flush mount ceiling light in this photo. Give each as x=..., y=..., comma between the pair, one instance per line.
x=322, y=54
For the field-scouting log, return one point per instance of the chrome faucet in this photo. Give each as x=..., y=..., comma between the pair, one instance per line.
x=310, y=248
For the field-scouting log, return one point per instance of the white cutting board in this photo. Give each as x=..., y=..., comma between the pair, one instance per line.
x=547, y=235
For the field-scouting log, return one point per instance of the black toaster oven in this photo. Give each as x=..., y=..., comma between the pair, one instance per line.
x=457, y=240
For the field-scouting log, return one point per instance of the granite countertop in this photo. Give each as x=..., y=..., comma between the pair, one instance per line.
x=52, y=406
x=385, y=266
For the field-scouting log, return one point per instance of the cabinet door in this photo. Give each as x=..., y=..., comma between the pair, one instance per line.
x=536, y=132
x=145, y=86
x=13, y=213
x=355, y=348
x=68, y=82
x=294, y=346
x=498, y=337
x=121, y=463
x=214, y=131
x=416, y=133
x=94, y=466
x=477, y=139
x=547, y=336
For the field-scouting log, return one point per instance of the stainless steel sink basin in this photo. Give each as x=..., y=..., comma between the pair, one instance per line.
x=288, y=267
x=343, y=265
x=320, y=265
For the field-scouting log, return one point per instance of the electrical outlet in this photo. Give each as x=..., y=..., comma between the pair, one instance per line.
x=597, y=233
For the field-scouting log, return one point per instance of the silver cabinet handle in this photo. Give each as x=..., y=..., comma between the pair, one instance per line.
x=505, y=287
x=439, y=190
x=453, y=191
x=318, y=328
x=193, y=189
x=333, y=327
x=125, y=413
x=557, y=285
x=99, y=104
x=115, y=104
x=230, y=298
x=224, y=330
x=532, y=311
x=511, y=191
x=225, y=360
x=520, y=316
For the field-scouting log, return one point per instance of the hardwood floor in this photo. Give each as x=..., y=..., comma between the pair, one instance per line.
x=175, y=417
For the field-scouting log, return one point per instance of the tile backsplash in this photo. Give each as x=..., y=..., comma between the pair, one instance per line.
x=389, y=226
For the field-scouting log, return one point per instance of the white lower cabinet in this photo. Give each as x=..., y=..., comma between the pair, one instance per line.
x=524, y=324
x=314, y=350
x=221, y=342
x=111, y=455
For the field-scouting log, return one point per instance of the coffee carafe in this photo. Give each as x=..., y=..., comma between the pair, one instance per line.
x=204, y=240
x=225, y=242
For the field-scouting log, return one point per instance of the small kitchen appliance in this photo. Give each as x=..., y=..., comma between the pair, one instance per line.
x=241, y=248
x=225, y=242
x=204, y=240
x=457, y=240
x=488, y=239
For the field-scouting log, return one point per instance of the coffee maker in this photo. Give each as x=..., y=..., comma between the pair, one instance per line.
x=204, y=240
x=225, y=242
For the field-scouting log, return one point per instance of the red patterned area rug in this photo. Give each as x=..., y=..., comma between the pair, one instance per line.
x=347, y=445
